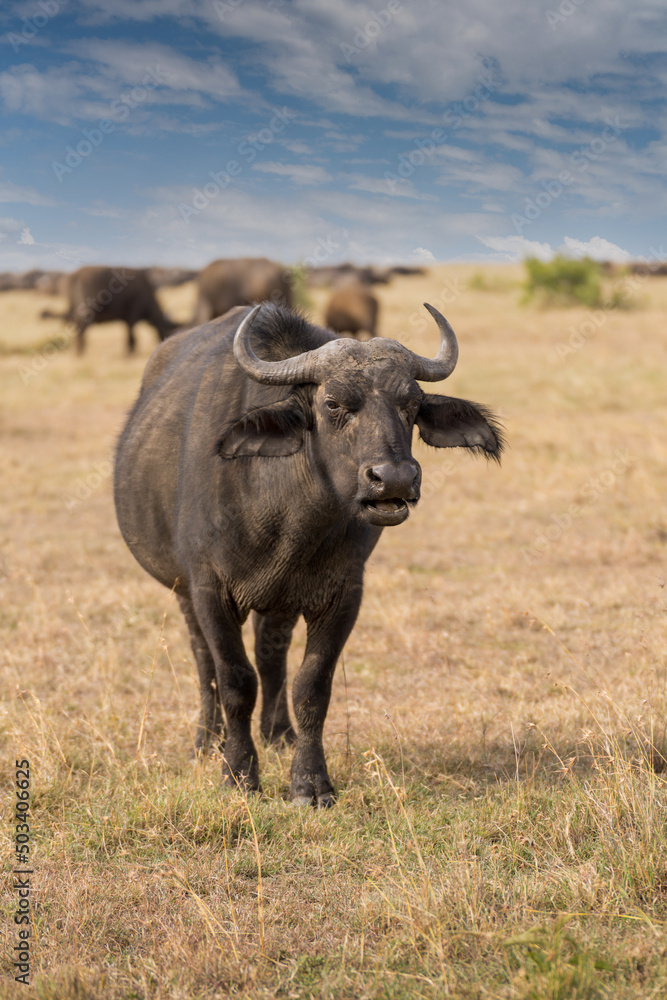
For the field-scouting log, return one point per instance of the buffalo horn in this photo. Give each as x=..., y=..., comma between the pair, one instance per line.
x=308, y=367
x=291, y=371
x=443, y=364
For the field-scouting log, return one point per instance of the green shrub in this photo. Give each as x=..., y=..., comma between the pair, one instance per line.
x=478, y=282
x=564, y=281
x=300, y=296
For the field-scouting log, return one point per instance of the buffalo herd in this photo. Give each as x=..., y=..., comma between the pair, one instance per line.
x=106, y=294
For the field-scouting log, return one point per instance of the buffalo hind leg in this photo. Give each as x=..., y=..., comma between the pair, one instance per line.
x=80, y=329
x=131, y=339
x=273, y=634
x=311, y=692
x=210, y=730
x=236, y=680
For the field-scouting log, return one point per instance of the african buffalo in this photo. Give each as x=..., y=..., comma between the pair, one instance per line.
x=228, y=283
x=106, y=294
x=352, y=309
x=256, y=472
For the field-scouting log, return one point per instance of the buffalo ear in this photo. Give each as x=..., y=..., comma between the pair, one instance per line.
x=446, y=422
x=269, y=431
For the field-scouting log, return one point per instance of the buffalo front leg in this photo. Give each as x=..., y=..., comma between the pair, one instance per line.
x=311, y=693
x=272, y=638
x=236, y=680
x=131, y=339
x=210, y=730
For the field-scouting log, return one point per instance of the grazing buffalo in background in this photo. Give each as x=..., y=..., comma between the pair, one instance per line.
x=352, y=309
x=11, y=282
x=170, y=277
x=333, y=275
x=228, y=283
x=106, y=294
x=256, y=472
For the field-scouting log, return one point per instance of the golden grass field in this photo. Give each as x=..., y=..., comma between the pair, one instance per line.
x=497, y=724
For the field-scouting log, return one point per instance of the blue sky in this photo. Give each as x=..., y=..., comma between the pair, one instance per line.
x=146, y=132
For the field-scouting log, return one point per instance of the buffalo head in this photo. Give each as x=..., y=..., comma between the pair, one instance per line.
x=354, y=406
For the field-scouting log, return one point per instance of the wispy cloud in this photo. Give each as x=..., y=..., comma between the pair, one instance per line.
x=298, y=173
x=354, y=119
x=597, y=248
x=10, y=192
x=378, y=185
x=517, y=247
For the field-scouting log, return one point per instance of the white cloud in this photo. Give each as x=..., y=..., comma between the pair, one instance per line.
x=128, y=62
x=559, y=86
x=26, y=237
x=517, y=247
x=597, y=248
x=297, y=146
x=446, y=151
x=341, y=142
x=299, y=173
x=422, y=254
x=107, y=69
x=10, y=225
x=129, y=10
x=103, y=211
x=483, y=177
x=379, y=185
x=26, y=91
x=18, y=257
x=10, y=192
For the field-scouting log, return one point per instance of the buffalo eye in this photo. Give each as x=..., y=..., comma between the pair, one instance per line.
x=339, y=413
x=409, y=410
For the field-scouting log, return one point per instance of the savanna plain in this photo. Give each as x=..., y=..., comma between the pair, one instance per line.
x=497, y=727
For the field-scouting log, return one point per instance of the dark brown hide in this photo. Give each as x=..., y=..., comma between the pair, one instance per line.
x=228, y=283
x=255, y=474
x=107, y=294
x=353, y=310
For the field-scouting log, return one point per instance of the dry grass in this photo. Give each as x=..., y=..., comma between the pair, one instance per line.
x=495, y=735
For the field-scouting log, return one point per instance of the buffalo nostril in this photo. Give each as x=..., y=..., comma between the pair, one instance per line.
x=394, y=479
x=383, y=473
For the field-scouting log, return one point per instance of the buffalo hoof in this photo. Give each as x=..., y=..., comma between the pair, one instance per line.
x=302, y=801
x=321, y=802
x=315, y=790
